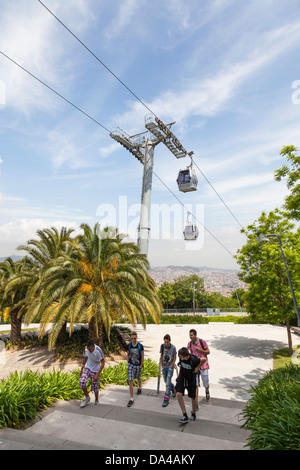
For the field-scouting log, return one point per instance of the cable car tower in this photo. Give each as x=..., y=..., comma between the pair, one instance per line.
x=142, y=147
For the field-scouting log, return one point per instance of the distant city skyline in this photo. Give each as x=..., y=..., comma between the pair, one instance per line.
x=221, y=281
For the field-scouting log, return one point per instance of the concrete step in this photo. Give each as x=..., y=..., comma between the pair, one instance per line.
x=14, y=439
x=144, y=426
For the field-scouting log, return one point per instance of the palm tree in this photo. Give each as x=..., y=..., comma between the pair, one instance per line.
x=101, y=280
x=50, y=245
x=16, y=280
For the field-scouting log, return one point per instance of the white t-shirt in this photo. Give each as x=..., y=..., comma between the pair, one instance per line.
x=94, y=358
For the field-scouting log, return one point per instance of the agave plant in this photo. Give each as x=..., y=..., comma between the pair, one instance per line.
x=99, y=280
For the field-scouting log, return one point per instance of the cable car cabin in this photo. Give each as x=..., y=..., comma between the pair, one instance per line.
x=187, y=180
x=191, y=232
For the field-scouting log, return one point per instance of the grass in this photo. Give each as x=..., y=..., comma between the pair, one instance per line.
x=282, y=358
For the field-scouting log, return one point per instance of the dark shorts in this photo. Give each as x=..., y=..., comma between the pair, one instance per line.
x=189, y=384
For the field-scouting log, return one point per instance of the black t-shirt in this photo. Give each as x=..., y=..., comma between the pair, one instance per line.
x=135, y=354
x=187, y=367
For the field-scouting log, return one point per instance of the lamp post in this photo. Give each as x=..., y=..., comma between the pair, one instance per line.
x=265, y=238
x=194, y=297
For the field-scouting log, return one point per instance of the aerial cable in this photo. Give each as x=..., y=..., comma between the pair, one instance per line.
x=105, y=128
x=222, y=200
x=54, y=91
x=231, y=254
x=97, y=58
x=133, y=94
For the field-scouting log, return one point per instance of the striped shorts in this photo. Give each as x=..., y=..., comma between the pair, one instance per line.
x=85, y=376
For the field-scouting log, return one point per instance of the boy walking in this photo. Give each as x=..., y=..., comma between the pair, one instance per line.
x=189, y=366
x=92, y=366
x=199, y=348
x=135, y=360
x=167, y=360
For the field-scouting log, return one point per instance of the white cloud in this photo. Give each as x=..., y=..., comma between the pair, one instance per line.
x=121, y=22
x=35, y=40
x=209, y=95
x=19, y=231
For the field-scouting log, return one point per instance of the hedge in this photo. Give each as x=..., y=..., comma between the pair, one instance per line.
x=273, y=412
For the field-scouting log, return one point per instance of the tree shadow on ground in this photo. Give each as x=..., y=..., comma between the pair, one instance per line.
x=241, y=346
x=36, y=356
x=240, y=386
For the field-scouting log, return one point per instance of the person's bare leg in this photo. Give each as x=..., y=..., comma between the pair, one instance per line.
x=131, y=388
x=193, y=405
x=181, y=402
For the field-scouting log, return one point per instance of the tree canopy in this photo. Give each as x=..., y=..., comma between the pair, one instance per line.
x=291, y=171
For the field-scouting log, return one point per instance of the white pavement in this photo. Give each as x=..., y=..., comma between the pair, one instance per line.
x=240, y=356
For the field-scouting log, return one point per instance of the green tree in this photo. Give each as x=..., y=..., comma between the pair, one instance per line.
x=217, y=300
x=292, y=173
x=16, y=279
x=166, y=294
x=183, y=288
x=262, y=267
x=101, y=280
x=239, y=295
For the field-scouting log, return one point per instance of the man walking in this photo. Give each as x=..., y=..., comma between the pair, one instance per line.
x=200, y=349
x=167, y=360
x=189, y=366
x=135, y=360
x=92, y=366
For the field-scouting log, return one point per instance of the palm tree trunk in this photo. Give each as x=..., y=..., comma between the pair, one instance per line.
x=96, y=331
x=16, y=327
x=63, y=334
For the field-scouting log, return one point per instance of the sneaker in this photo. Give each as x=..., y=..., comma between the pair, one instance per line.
x=184, y=419
x=173, y=392
x=85, y=402
x=130, y=403
x=139, y=391
x=207, y=395
x=193, y=417
x=166, y=401
x=96, y=403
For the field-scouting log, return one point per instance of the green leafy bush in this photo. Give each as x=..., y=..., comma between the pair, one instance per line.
x=187, y=319
x=179, y=319
x=24, y=395
x=273, y=412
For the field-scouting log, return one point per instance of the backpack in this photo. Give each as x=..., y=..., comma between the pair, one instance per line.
x=201, y=342
x=139, y=348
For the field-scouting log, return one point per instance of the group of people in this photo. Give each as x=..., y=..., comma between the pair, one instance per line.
x=192, y=364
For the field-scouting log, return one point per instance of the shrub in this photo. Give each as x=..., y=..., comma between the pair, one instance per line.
x=24, y=395
x=273, y=412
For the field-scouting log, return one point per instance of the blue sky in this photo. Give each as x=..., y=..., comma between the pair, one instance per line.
x=225, y=71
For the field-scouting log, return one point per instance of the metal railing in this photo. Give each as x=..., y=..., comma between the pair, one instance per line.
x=205, y=311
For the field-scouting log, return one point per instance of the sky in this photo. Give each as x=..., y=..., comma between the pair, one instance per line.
x=228, y=73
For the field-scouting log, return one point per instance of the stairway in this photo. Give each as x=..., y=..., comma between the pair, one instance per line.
x=145, y=426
